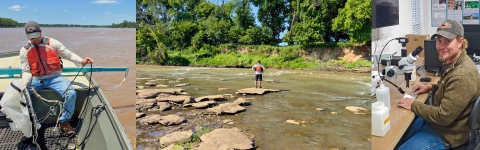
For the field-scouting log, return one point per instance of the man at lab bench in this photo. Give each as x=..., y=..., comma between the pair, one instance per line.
x=443, y=124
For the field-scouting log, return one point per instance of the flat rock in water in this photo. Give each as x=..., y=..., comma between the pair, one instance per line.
x=295, y=122
x=162, y=106
x=203, y=104
x=152, y=93
x=241, y=102
x=150, y=84
x=184, y=84
x=228, y=96
x=171, y=91
x=162, y=85
x=146, y=106
x=176, y=137
x=141, y=101
x=163, y=95
x=171, y=120
x=140, y=115
x=225, y=108
x=223, y=89
x=153, y=119
x=223, y=138
x=147, y=93
x=140, y=87
x=176, y=99
x=269, y=80
x=255, y=91
x=210, y=97
x=355, y=109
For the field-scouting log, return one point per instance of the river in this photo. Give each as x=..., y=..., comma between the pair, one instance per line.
x=302, y=92
x=109, y=47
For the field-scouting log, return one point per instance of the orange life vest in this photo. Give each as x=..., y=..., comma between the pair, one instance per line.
x=258, y=68
x=43, y=60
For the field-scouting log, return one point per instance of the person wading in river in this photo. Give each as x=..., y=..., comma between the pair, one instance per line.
x=258, y=68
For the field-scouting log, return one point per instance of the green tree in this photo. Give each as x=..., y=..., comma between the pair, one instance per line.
x=273, y=14
x=355, y=18
x=150, y=41
x=124, y=24
x=257, y=36
x=244, y=17
x=8, y=23
x=212, y=31
x=181, y=33
x=204, y=10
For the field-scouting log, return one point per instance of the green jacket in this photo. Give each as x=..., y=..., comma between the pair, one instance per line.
x=455, y=94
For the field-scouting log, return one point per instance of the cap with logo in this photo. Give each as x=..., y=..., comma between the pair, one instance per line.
x=32, y=29
x=449, y=29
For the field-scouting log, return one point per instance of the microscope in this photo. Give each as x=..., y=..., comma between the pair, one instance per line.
x=406, y=65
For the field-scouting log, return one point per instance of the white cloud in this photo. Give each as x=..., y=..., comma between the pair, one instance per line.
x=107, y=13
x=35, y=9
x=105, y=2
x=66, y=10
x=16, y=7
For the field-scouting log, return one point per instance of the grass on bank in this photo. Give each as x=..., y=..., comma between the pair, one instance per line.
x=229, y=55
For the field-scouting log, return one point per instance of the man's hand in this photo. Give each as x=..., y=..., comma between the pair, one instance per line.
x=406, y=103
x=87, y=60
x=421, y=88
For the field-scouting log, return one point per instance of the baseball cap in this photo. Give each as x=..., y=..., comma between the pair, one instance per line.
x=32, y=29
x=449, y=29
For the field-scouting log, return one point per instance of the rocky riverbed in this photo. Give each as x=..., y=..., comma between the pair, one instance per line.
x=153, y=105
x=171, y=117
x=325, y=110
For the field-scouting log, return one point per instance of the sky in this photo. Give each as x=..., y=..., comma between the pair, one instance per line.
x=81, y=12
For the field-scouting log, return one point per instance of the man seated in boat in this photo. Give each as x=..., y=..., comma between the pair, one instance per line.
x=42, y=68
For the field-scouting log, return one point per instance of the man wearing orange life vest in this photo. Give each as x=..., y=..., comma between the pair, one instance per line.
x=42, y=68
x=258, y=68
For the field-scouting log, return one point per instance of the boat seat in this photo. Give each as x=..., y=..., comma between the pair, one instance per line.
x=474, y=124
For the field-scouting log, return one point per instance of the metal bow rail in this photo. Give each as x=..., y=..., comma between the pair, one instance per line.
x=18, y=71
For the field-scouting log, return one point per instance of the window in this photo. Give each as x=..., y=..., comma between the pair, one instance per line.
x=417, y=16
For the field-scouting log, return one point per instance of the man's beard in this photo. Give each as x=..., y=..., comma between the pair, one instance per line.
x=442, y=59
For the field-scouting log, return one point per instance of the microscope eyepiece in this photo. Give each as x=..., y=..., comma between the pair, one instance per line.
x=417, y=51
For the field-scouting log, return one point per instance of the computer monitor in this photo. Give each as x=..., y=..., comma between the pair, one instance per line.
x=385, y=13
x=472, y=34
x=432, y=63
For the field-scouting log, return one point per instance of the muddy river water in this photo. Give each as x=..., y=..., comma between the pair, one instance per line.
x=302, y=92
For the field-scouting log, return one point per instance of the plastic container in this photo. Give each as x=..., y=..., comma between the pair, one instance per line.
x=414, y=75
x=383, y=95
x=380, y=119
